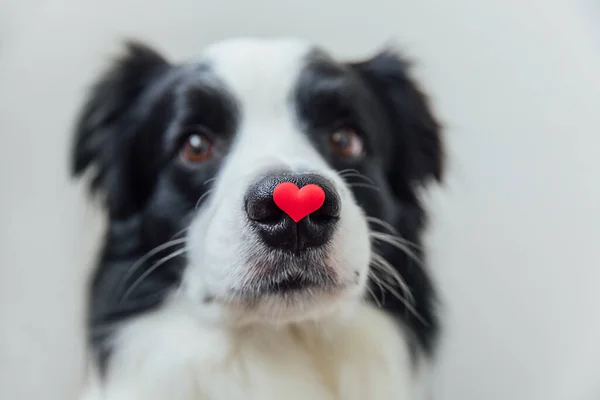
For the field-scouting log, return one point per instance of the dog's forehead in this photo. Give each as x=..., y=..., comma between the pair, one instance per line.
x=259, y=70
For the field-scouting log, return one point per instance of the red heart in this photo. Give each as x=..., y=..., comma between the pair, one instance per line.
x=298, y=203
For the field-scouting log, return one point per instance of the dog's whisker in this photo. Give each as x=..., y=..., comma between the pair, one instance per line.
x=210, y=180
x=348, y=171
x=408, y=300
x=145, y=258
x=390, y=288
x=364, y=185
x=179, y=233
x=150, y=270
x=375, y=279
x=409, y=305
x=401, y=244
x=391, y=273
x=383, y=224
x=352, y=173
x=199, y=202
x=387, y=287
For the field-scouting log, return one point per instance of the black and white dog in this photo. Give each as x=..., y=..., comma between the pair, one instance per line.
x=206, y=287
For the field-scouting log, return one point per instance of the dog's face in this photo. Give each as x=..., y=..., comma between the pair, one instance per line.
x=188, y=156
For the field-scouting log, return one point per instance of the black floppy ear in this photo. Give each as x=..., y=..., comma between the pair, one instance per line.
x=102, y=138
x=417, y=134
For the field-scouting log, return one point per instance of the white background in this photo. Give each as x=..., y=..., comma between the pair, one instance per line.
x=514, y=233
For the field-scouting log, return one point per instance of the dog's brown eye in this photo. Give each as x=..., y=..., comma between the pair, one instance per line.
x=346, y=143
x=197, y=148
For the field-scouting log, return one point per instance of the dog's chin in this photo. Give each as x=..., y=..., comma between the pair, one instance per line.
x=289, y=307
x=292, y=289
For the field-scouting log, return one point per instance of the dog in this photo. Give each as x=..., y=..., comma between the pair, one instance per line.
x=264, y=224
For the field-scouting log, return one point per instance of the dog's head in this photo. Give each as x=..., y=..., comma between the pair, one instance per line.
x=187, y=157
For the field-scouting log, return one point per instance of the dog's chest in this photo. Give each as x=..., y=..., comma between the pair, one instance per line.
x=169, y=358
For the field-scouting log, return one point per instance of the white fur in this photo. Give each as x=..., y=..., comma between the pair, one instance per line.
x=335, y=346
x=171, y=355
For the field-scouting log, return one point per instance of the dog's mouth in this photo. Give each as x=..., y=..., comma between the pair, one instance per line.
x=288, y=285
x=285, y=295
x=287, y=275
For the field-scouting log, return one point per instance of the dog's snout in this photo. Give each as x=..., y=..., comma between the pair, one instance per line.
x=293, y=211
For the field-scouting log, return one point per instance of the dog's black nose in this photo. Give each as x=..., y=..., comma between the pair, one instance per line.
x=293, y=211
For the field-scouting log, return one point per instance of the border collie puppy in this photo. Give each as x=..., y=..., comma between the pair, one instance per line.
x=264, y=225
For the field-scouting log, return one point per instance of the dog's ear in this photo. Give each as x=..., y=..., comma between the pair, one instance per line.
x=418, y=147
x=103, y=139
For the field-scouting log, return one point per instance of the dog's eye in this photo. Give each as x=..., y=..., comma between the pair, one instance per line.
x=197, y=148
x=346, y=143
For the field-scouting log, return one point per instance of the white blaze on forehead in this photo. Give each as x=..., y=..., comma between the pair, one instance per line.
x=260, y=73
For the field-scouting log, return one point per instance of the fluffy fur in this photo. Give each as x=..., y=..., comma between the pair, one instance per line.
x=187, y=302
